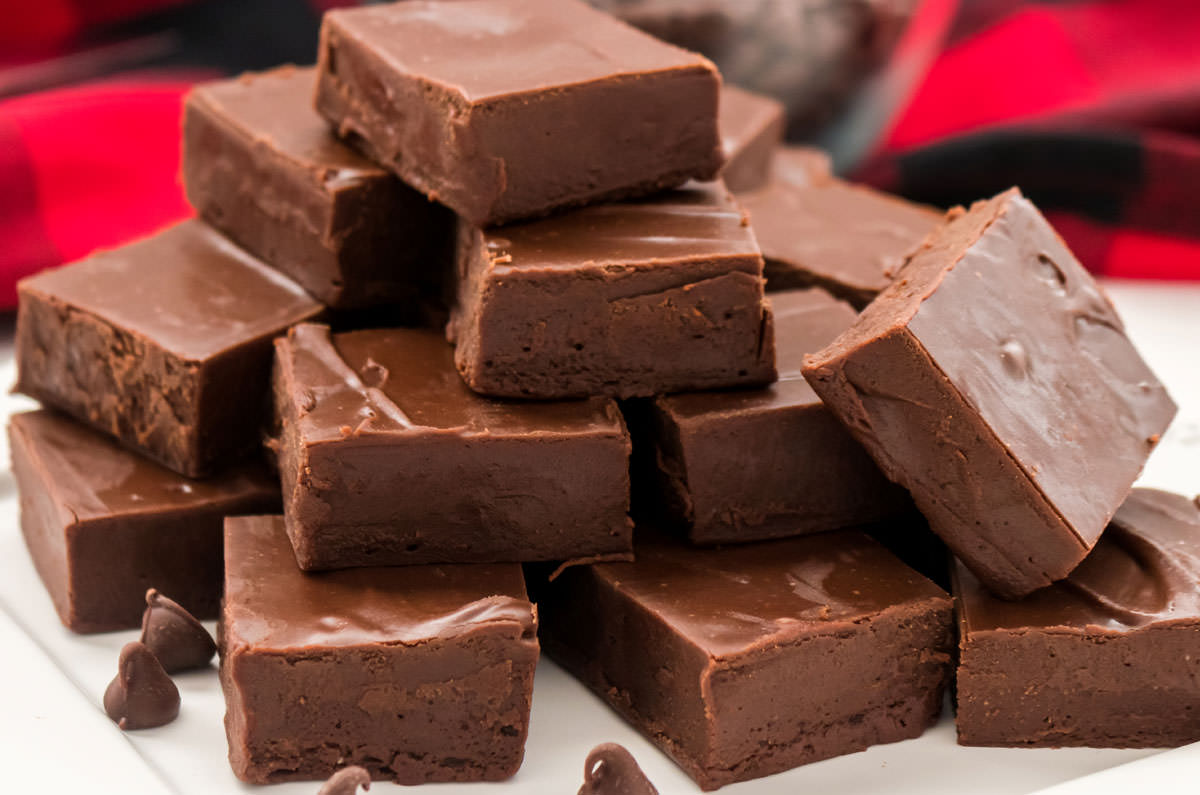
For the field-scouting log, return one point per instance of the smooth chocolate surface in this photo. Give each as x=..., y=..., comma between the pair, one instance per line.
x=631, y=299
x=164, y=344
x=387, y=458
x=731, y=628
x=418, y=673
x=751, y=130
x=263, y=167
x=1018, y=426
x=1106, y=657
x=848, y=239
x=744, y=465
x=103, y=525
x=507, y=109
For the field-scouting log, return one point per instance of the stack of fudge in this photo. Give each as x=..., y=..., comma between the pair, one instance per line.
x=489, y=281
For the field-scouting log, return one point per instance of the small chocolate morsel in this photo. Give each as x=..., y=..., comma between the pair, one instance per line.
x=174, y=635
x=611, y=770
x=141, y=696
x=346, y=781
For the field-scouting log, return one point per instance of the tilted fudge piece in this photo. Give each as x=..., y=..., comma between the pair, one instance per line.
x=848, y=239
x=164, y=343
x=387, y=458
x=751, y=131
x=633, y=299
x=763, y=656
x=995, y=382
x=1108, y=657
x=749, y=464
x=103, y=525
x=263, y=167
x=416, y=673
x=508, y=109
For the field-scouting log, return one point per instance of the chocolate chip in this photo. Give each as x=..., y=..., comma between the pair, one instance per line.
x=612, y=770
x=174, y=636
x=141, y=696
x=347, y=781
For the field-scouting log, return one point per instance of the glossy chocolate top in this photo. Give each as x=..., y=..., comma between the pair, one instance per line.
x=731, y=599
x=805, y=321
x=270, y=604
x=700, y=221
x=395, y=380
x=850, y=234
x=485, y=49
x=275, y=109
x=1052, y=374
x=1144, y=570
x=96, y=478
x=186, y=288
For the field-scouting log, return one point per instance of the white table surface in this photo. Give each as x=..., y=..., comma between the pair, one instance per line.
x=54, y=737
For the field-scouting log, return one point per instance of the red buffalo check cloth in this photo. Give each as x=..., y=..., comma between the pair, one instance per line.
x=1092, y=107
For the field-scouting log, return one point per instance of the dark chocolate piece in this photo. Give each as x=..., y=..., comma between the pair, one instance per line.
x=995, y=382
x=848, y=239
x=141, y=696
x=103, y=524
x=611, y=770
x=174, y=635
x=1108, y=657
x=634, y=299
x=744, y=465
x=347, y=781
x=508, y=109
x=749, y=660
x=751, y=131
x=387, y=458
x=416, y=673
x=164, y=344
x=263, y=167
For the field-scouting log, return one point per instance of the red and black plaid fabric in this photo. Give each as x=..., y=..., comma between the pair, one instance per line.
x=1092, y=107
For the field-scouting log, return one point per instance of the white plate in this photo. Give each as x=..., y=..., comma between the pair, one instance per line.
x=55, y=738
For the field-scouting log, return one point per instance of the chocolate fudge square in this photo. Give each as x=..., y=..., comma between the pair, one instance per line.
x=995, y=382
x=751, y=130
x=750, y=464
x=164, y=344
x=263, y=167
x=417, y=673
x=103, y=525
x=750, y=660
x=1108, y=657
x=508, y=109
x=631, y=299
x=387, y=458
x=848, y=239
